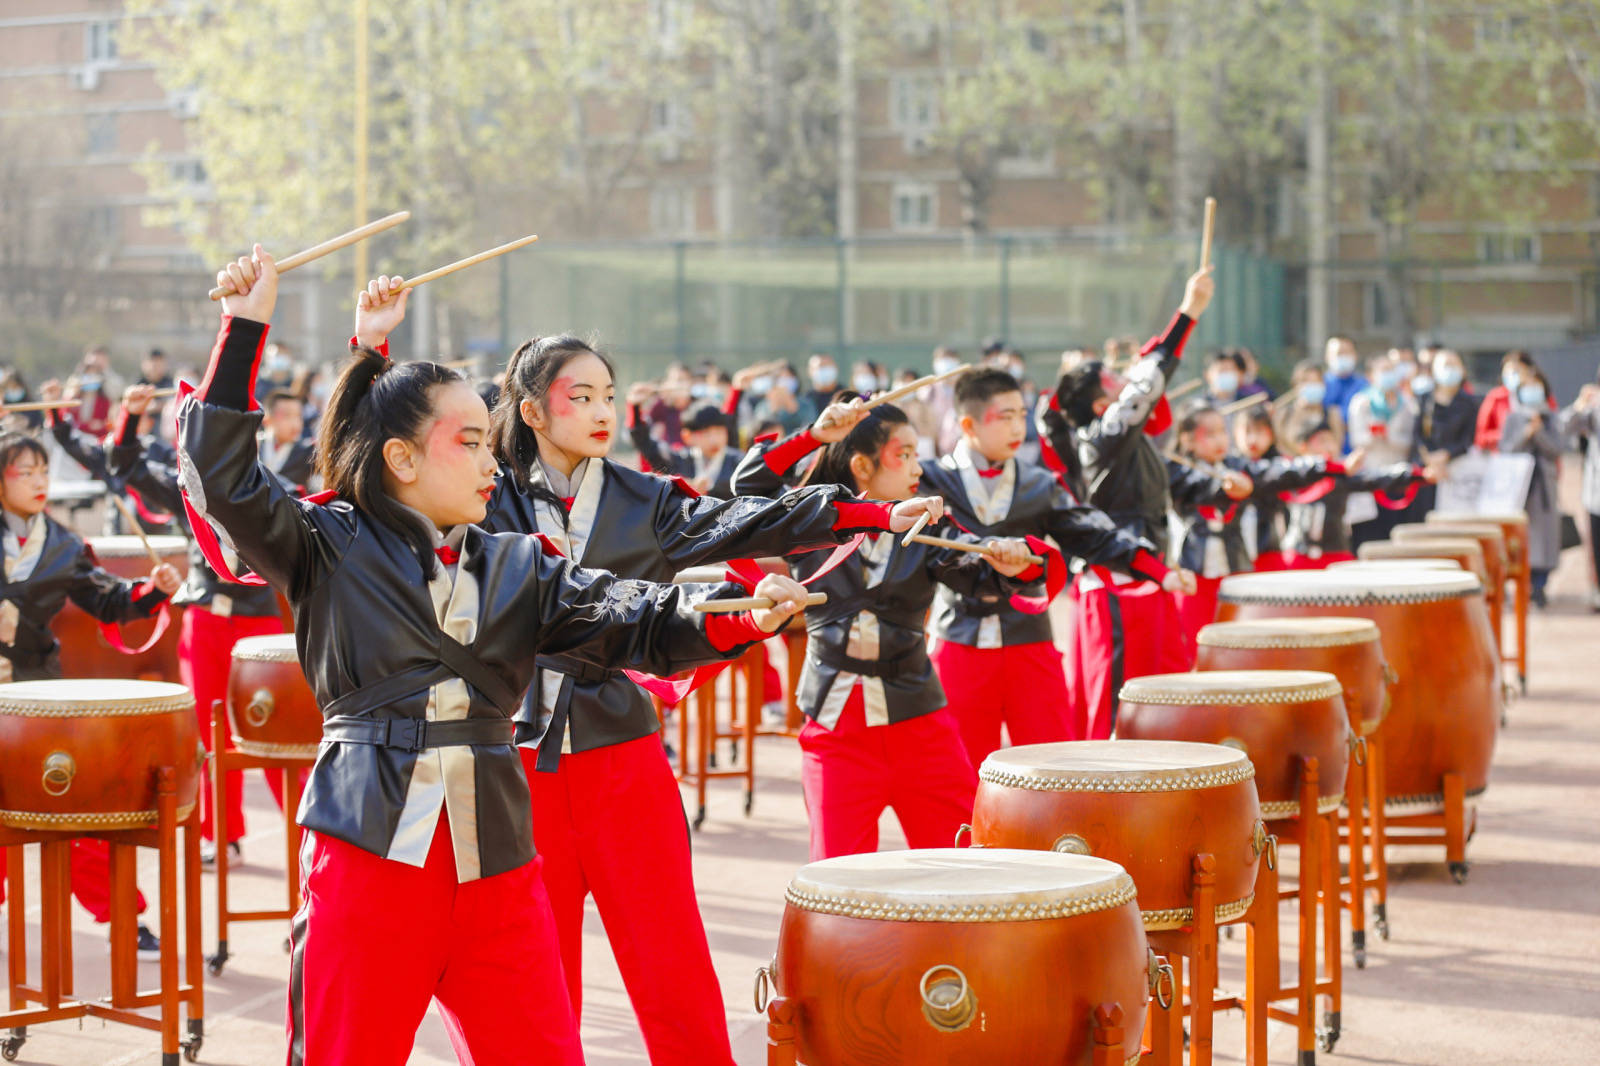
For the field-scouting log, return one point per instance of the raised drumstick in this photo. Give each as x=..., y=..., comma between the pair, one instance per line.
x=344, y=240
x=471, y=260
x=133, y=524
x=1185, y=389
x=911, y=535
x=963, y=546
x=57, y=405
x=912, y=386
x=1205, y=231
x=751, y=603
x=1239, y=405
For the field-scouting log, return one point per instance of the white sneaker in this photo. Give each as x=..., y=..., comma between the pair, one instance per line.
x=774, y=713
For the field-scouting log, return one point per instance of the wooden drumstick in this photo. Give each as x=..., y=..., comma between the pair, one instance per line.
x=462, y=264
x=344, y=240
x=1206, y=230
x=751, y=603
x=911, y=535
x=963, y=546
x=1240, y=405
x=1286, y=399
x=133, y=523
x=1185, y=389
x=41, y=405
x=910, y=387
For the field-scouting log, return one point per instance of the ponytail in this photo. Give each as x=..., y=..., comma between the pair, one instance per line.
x=375, y=400
x=867, y=438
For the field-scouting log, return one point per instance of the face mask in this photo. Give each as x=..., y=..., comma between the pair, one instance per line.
x=1408, y=371
x=1421, y=385
x=826, y=377
x=1531, y=395
x=1344, y=365
x=1448, y=376
x=699, y=392
x=761, y=385
x=89, y=383
x=1510, y=379
x=788, y=383
x=864, y=382
x=321, y=392
x=1390, y=379
x=278, y=364
x=944, y=364
x=14, y=395
x=1227, y=383
x=1313, y=392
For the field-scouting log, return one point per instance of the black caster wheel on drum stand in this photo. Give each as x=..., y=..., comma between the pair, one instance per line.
x=1328, y=1035
x=749, y=803
x=733, y=753
x=1458, y=871
x=1522, y=680
x=699, y=818
x=1358, y=947
x=1306, y=1058
x=11, y=1047
x=288, y=945
x=197, y=1037
x=215, y=963
x=1380, y=920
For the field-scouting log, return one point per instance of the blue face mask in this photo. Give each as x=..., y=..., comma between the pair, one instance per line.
x=1421, y=385
x=1390, y=379
x=1531, y=395
x=1313, y=392
x=699, y=392
x=825, y=377
x=1448, y=376
x=1227, y=383
x=761, y=385
x=1510, y=379
x=1344, y=365
x=944, y=364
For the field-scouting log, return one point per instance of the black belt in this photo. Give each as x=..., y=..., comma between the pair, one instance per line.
x=884, y=669
x=417, y=734
x=576, y=668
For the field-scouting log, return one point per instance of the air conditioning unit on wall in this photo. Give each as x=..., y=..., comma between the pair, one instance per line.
x=87, y=78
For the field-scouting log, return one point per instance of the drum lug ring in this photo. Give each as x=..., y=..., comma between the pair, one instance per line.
x=1160, y=972
x=59, y=770
x=955, y=1013
x=766, y=984
x=260, y=707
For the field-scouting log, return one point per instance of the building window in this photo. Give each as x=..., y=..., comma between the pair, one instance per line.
x=104, y=221
x=672, y=211
x=913, y=103
x=1501, y=32
x=915, y=207
x=913, y=312
x=1035, y=157
x=1508, y=248
x=100, y=42
x=666, y=18
x=1375, y=306
x=102, y=134
x=187, y=172
x=669, y=118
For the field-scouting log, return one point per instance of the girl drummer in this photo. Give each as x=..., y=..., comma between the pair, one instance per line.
x=610, y=807
x=418, y=632
x=877, y=732
x=45, y=565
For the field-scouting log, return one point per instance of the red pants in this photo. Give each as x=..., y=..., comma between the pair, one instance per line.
x=1119, y=632
x=609, y=823
x=90, y=866
x=1195, y=613
x=1320, y=562
x=852, y=772
x=375, y=940
x=1023, y=686
x=1267, y=562
x=205, y=655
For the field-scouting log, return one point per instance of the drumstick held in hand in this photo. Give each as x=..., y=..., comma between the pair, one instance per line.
x=1240, y=405
x=751, y=603
x=344, y=240
x=1205, y=231
x=1185, y=389
x=42, y=405
x=912, y=386
x=133, y=523
x=462, y=264
x=911, y=535
x=963, y=546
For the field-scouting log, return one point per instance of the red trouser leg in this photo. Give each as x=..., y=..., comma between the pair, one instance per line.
x=205, y=655
x=1093, y=658
x=844, y=772
x=555, y=837
x=933, y=780
x=971, y=695
x=91, y=878
x=627, y=821
x=771, y=680
x=1195, y=613
x=1035, y=688
x=375, y=940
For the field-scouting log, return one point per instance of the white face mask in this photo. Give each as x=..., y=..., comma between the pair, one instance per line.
x=944, y=364
x=865, y=382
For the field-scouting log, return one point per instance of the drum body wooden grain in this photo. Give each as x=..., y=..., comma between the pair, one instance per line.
x=82, y=755
x=1513, y=527
x=1493, y=544
x=271, y=711
x=1277, y=717
x=1149, y=806
x=1465, y=552
x=1347, y=648
x=1036, y=940
x=84, y=651
x=1445, y=702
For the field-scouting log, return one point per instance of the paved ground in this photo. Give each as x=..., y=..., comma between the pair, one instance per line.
x=1505, y=969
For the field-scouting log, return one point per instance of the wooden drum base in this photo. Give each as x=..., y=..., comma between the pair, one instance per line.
x=225, y=760
x=1451, y=827
x=53, y=994
x=1363, y=834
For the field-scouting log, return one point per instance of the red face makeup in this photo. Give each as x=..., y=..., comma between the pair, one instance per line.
x=561, y=405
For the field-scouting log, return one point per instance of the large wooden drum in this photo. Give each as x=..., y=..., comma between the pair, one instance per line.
x=1445, y=702
x=1513, y=527
x=1493, y=544
x=271, y=711
x=1396, y=566
x=1347, y=648
x=1276, y=717
x=1148, y=805
x=82, y=755
x=1464, y=552
x=84, y=651
x=967, y=957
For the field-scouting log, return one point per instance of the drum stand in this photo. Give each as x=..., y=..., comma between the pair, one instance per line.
x=1523, y=597
x=1317, y=836
x=1452, y=827
x=1363, y=834
x=703, y=703
x=1105, y=1031
x=1196, y=943
x=53, y=993
x=225, y=760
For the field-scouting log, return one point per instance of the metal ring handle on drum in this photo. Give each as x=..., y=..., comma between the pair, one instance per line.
x=1235, y=743
x=965, y=829
x=59, y=770
x=1071, y=844
x=1390, y=676
x=1160, y=972
x=1264, y=843
x=958, y=1010
x=260, y=707
x=766, y=982
x=1358, y=747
